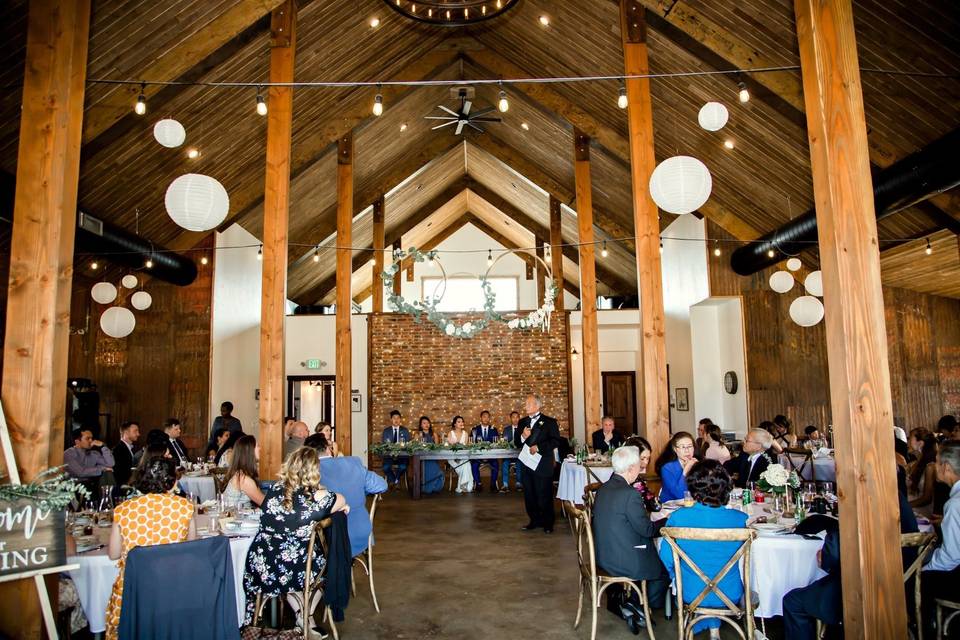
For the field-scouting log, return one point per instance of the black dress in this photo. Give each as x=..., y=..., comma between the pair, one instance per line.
x=277, y=560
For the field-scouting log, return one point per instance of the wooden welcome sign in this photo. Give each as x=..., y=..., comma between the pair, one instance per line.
x=31, y=538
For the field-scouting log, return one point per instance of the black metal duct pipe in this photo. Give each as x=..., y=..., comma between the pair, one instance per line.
x=927, y=172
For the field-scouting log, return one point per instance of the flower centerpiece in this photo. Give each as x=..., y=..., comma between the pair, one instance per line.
x=776, y=479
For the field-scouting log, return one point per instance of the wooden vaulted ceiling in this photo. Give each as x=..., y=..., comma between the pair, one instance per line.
x=506, y=173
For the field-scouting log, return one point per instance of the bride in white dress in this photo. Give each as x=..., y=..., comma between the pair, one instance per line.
x=458, y=435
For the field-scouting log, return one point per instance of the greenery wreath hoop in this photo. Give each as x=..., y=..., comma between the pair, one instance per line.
x=538, y=318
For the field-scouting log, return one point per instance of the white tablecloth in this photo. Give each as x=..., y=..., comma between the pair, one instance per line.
x=573, y=478
x=97, y=573
x=202, y=486
x=825, y=467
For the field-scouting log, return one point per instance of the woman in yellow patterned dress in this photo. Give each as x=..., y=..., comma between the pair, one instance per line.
x=156, y=517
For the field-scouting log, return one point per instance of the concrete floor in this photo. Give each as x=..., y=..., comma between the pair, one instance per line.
x=459, y=567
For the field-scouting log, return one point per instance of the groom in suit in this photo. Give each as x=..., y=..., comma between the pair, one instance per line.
x=542, y=435
x=393, y=468
x=485, y=432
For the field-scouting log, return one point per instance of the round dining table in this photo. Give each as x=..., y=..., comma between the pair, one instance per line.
x=201, y=486
x=574, y=477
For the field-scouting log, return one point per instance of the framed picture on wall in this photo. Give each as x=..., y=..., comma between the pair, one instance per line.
x=683, y=402
x=356, y=402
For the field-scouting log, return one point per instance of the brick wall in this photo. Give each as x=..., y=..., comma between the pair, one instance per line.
x=420, y=371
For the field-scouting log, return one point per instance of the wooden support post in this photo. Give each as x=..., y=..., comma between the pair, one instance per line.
x=860, y=397
x=646, y=222
x=396, y=277
x=41, y=261
x=541, y=273
x=342, y=410
x=379, y=238
x=556, y=250
x=588, y=283
x=276, y=207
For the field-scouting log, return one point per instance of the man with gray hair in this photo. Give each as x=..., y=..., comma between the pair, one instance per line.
x=296, y=435
x=541, y=434
x=753, y=459
x=623, y=535
x=940, y=575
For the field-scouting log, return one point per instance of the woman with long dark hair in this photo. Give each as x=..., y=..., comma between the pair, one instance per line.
x=458, y=435
x=241, y=485
x=922, y=475
x=716, y=449
x=432, y=475
x=222, y=459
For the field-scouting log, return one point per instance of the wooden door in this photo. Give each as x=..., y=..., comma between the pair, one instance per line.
x=620, y=400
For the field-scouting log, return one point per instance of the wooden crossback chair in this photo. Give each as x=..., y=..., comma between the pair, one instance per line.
x=692, y=613
x=365, y=557
x=801, y=461
x=568, y=509
x=590, y=496
x=219, y=475
x=943, y=603
x=595, y=581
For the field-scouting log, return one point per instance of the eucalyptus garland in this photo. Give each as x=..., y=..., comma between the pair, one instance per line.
x=416, y=446
x=52, y=489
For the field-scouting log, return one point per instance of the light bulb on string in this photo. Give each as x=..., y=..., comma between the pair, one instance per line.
x=261, y=103
x=771, y=253
x=742, y=92
x=489, y=257
x=148, y=264
x=204, y=260
x=603, y=251
x=929, y=249
x=316, y=254
x=141, y=107
x=503, y=104
x=622, y=98
x=661, y=246
x=260, y=253
x=716, y=249
x=94, y=265
x=378, y=102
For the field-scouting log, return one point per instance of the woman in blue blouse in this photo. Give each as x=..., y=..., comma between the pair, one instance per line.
x=432, y=475
x=674, y=464
x=710, y=486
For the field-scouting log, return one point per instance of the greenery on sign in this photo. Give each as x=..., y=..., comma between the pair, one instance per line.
x=416, y=446
x=52, y=489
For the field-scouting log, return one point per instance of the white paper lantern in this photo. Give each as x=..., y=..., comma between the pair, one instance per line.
x=197, y=202
x=781, y=281
x=814, y=283
x=794, y=264
x=169, y=133
x=129, y=281
x=806, y=311
x=713, y=116
x=141, y=300
x=680, y=184
x=118, y=322
x=103, y=292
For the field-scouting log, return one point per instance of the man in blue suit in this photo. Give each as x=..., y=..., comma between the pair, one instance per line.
x=347, y=476
x=485, y=432
x=395, y=433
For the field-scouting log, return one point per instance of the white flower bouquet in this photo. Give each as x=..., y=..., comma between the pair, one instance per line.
x=776, y=479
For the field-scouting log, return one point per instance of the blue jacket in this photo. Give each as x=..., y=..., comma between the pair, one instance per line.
x=674, y=482
x=477, y=434
x=388, y=436
x=348, y=477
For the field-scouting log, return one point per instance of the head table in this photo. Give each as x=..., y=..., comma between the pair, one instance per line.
x=417, y=457
x=97, y=572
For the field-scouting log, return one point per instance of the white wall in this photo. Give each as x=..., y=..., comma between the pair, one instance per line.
x=235, y=327
x=717, y=332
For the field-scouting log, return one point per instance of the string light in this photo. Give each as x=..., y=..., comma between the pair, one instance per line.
x=260, y=253
x=403, y=127
x=716, y=249
x=374, y=22
x=378, y=103
x=489, y=257
x=148, y=264
x=929, y=249
x=525, y=126
x=604, y=252
x=141, y=107
x=502, y=103
x=544, y=21
x=94, y=265
x=661, y=246
x=770, y=253
x=728, y=143
x=204, y=260
x=316, y=254
x=261, y=103
x=743, y=94
x=193, y=153
x=622, y=98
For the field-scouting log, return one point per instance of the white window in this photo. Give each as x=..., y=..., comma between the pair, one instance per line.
x=466, y=294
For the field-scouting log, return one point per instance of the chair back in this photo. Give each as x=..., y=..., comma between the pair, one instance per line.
x=373, y=514
x=316, y=535
x=801, y=461
x=923, y=542
x=590, y=496
x=744, y=536
x=219, y=475
x=586, y=551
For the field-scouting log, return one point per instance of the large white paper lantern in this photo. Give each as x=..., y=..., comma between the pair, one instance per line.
x=103, y=292
x=794, y=264
x=197, y=202
x=118, y=322
x=169, y=133
x=806, y=311
x=129, y=281
x=713, y=116
x=814, y=283
x=680, y=184
x=141, y=300
x=781, y=281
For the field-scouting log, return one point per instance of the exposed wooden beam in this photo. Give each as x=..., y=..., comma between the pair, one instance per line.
x=860, y=396
x=276, y=208
x=541, y=273
x=37, y=326
x=556, y=252
x=656, y=402
x=343, y=411
x=379, y=244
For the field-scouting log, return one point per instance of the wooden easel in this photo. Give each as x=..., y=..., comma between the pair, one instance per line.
x=48, y=620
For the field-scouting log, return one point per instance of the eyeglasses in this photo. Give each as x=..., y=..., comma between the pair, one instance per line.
x=684, y=447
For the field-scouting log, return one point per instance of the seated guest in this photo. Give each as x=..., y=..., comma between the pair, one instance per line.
x=124, y=452
x=606, y=437
x=277, y=556
x=296, y=434
x=922, y=474
x=432, y=481
x=674, y=464
x=485, y=432
x=508, y=432
x=753, y=459
x=224, y=454
x=458, y=435
x=87, y=459
x=702, y=442
x=241, y=484
x=716, y=447
x=348, y=477
x=650, y=499
x=623, y=535
x=940, y=575
x=947, y=428
x=393, y=468
x=178, y=451
x=219, y=439
x=710, y=486
x=225, y=420
x=783, y=433
x=153, y=451
x=327, y=430
x=775, y=447
x=814, y=440
x=154, y=517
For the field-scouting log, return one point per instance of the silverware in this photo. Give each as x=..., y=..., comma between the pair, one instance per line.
x=96, y=548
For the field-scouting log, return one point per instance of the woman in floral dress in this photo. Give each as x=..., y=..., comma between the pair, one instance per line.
x=277, y=560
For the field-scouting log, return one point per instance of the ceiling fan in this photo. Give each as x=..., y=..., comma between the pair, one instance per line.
x=463, y=117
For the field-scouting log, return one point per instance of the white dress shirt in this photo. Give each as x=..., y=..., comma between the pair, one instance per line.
x=946, y=557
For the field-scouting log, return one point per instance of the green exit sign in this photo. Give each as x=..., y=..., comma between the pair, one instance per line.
x=313, y=363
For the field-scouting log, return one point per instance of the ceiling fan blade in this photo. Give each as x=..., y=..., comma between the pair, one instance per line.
x=483, y=111
x=460, y=124
x=466, y=107
x=445, y=124
x=485, y=120
x=439, y=118
x=450, y=111
x=475, y=127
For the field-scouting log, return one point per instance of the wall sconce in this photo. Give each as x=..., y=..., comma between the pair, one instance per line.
x=574, y=354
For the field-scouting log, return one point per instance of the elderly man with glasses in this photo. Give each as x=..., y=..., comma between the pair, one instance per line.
x=753, y=460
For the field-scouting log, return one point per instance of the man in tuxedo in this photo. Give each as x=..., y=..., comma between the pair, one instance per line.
x=753, y=460
x=508, y=433
x=178, y=451
x=124, y=452
x=485, y=432
x=393, y=468
x=542, y=435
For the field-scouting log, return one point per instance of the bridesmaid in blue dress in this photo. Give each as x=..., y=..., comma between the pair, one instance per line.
x=432, y=475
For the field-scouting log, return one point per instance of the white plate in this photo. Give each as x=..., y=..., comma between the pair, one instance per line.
x=768, y=526
x=673, y=504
